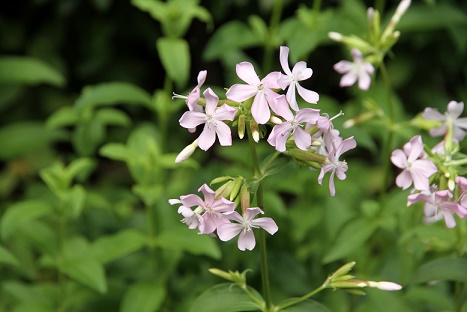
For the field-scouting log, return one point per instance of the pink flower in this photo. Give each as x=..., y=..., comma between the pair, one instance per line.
x=415, y=170
x=261, y=90
x=280, y=133
x=355, y=70
x=334, y=165
x=450, y=117
x=244, y=227
x=212, y=120
x=208, y=214
x=439, y=205
x=291, y=78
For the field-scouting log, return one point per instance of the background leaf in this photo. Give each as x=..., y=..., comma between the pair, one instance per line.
x=143, y=297
x=29, y=71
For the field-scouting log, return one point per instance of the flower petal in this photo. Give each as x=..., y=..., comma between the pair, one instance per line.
x=302, y=138
x=223, y=133
x=207, y=137
x=211, y=101
x=260, y=109
x=228, y=231
x=267, y=224
x=284, y=60
x=246, y=240
x=308, y=95
x=192, y=119
x=241, y=92
x=247, y=73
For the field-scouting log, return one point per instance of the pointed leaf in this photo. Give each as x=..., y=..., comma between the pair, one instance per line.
x=115, y=151
x=65, y=116
x=20, y=213
x=175, y=57
x=20, y=138
x=7, y=257
x=29, y=71
x=114, y=117
x=352, y=236
x=144, y=297
x=86, y=271
x=441, y=270
x=181, y=238
x=112, y=93
x=111, y=247
x=226, y=297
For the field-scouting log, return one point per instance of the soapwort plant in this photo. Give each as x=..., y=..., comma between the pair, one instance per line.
x=305, y=136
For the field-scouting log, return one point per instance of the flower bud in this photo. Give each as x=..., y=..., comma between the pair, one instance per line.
x=187, y=152
x=241, y=126
x=244, y=198
x=388, y=286
x=236, y=188
x=275, y=120
x=254, y=130
x=335, y=36
x=225, y=190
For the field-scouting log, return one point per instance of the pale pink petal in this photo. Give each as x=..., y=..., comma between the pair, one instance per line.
x=185, y=211
x=271, y=98
x=246, y=240
x=241, y=92
x=348, y=79
x=302, y=138
x=324, y=170
x=364, y=81
x=416, y=148
x=270, y=81
x=425, y=166
x=357, y=55
x=309, y=115
x=208, y=193
x=247, y=73
x=404, y=180
x=222, y=205
x=225, y=112
x=332, y=188
x=308, y=95
x=291, y=97
x=282, y=108
x=234, y=216
x=346, y=145
x=192, y=119
x=449, y=219
x=174, y=201
x=432, y=114
x=420, y=181
x=284, y=81
x=251, y=213
x=284, y=60
x=267, y=224
x=301, y=72
x=211, y=101
x=191, y=200
x=343, y=67
x=202, y=77
x=399, y=159
x=260, y=109
x=223, y=133
x=210, y=224
x=438, y=131
x=228, y=231
x=455, y=109
x=206, y=138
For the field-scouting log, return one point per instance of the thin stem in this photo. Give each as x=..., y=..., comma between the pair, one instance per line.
x=316, y=7
x=262, y=235
x=269, y=45
x=62, y=224
x=388, y=144
x=298, y=300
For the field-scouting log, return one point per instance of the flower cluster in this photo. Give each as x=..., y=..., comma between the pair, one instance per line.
x=213, y=214
x=305, y=135
x=434, y=173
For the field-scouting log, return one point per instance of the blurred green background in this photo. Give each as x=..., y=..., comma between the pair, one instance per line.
x=89, y=133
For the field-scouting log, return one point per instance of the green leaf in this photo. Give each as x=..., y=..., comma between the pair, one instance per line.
x=304, y=306
x=144, y=297
x=114, y=117
x=20, y=213
x=428, y=17
x=233, y=35
x=20, y=138
x=116, y=151
x=442, y=269
x=86, y=271
x=87, y=136
x=353, y=235
x=29, y=71
x=175, y=57
x=64, y=116
x=7, y=257
x=79, y=167
x=75, y=200
x=40, y=235
x=112, y=93
x=272, y=168
x=111, y=247
x=226, y=297
x=181, y=238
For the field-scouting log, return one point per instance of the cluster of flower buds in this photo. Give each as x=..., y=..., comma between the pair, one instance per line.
x=434, y=172
x=375, y=46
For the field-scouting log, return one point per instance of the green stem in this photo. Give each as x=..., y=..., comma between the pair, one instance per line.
x=298, y=300
x=316, y=7
x=269, y=45
x=389, y=141
x=262, y=235
x=62, y=224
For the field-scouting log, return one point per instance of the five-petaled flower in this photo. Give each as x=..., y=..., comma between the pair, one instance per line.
x=280, y=133
x=334, y=165
x=244, y=225
x=449, y=119
x=415, y=170
x=260, y=89
x=212, y=120
x=208, y=214
x=356, y=70
x=291, y=78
